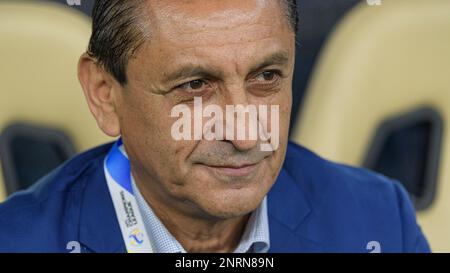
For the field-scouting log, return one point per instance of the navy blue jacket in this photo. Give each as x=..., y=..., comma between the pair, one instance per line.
x=315, y=206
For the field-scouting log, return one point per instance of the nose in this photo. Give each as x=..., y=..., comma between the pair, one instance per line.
x=241, y=120
x=244, y=145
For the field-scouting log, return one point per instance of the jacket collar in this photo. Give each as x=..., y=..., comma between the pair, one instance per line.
x=99, y=229
x=290, y=215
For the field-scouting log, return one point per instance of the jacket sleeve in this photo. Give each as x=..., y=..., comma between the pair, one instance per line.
x=414, y=240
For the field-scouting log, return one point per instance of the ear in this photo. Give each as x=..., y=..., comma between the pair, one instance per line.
x=98, y=87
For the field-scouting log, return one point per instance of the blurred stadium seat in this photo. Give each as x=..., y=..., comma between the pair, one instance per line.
x=40, y=46
x=317, y=20
x=84, y=6
x=380, y=98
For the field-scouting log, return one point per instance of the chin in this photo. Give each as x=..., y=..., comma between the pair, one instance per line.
x=231, y=203
x=220, y=196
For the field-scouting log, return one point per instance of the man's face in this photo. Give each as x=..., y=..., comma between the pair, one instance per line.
x=227, y=52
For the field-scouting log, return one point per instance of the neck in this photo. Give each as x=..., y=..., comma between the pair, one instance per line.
x=205, y=236
x=195, y=234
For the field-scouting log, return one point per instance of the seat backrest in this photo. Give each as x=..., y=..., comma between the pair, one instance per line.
x=317, y=21
x=39, y=50
x=383, y=64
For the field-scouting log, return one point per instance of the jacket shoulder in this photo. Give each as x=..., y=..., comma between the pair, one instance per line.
x=36, y=217
x=356, y=201
x=324, y=174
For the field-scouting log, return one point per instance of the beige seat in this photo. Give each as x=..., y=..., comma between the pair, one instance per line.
x=383, y=61
x=39, y=49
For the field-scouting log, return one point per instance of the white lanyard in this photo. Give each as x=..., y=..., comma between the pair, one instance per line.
x=118, y=178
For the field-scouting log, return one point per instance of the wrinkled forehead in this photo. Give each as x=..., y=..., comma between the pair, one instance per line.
x=190, y=20
x=225, y=35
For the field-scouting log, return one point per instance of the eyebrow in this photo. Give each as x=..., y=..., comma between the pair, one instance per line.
x=192, y=70
x=278, y=58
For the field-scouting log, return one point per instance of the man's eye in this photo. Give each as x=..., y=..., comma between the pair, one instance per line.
x=267, y=76
x=195, y=85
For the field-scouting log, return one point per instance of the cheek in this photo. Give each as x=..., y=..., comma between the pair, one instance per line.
x=283, y=100
x=146, y=124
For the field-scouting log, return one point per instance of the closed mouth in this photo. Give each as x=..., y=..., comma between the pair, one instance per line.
x=240, y=170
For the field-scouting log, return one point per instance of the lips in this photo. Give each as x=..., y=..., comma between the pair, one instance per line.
x=234, y=170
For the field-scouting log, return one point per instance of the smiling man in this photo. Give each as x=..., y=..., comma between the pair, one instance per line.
x=153, y=192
